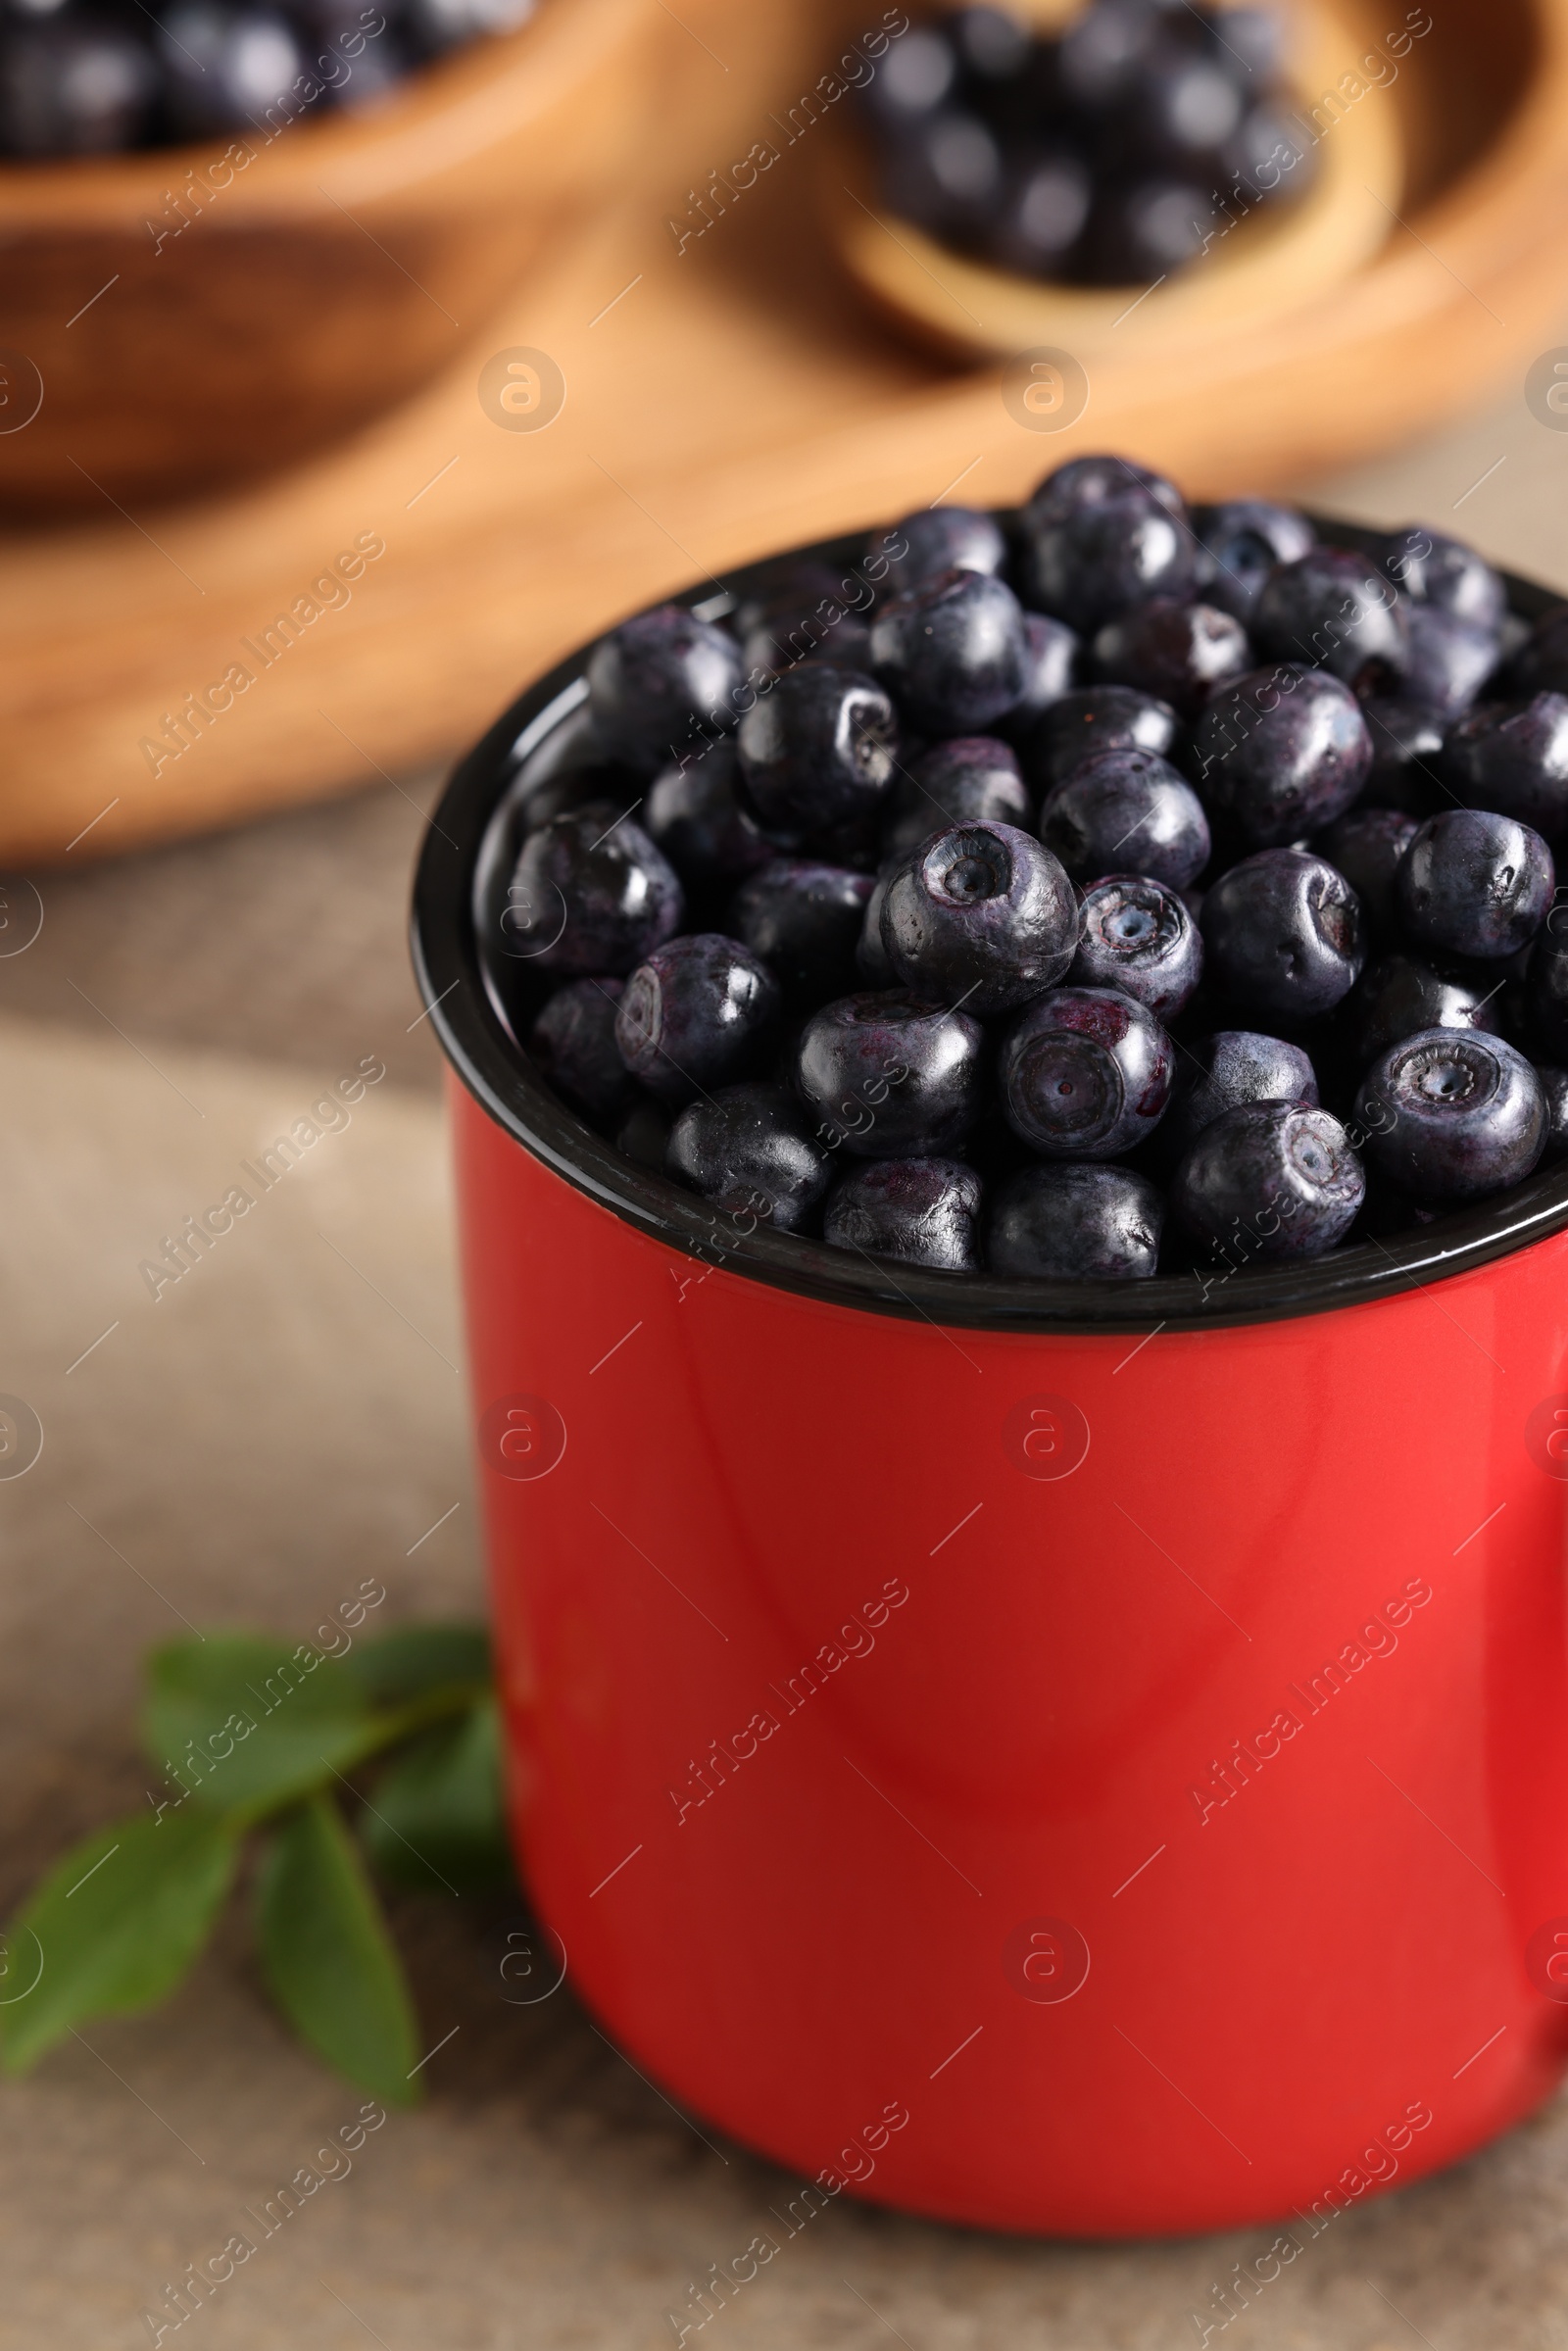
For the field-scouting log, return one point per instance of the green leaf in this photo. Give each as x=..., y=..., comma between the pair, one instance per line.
x=414, y=1660
x=330, y=1958
x=248, y=1722
x=113, y=1928
x=434, y=1823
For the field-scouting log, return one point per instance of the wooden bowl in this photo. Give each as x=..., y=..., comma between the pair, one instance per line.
x=734, y=401
x=179, y=318
x=1399, y=145
x=1257, y=268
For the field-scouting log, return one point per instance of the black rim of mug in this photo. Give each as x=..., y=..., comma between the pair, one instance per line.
x=465, y=838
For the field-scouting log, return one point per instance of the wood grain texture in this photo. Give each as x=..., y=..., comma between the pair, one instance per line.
x=721, y=399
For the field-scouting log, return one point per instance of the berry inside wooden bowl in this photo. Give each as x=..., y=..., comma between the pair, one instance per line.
x=1388, y=113
x=181, y=317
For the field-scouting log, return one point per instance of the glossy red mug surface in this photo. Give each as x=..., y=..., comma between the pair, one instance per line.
x=1090, y=1767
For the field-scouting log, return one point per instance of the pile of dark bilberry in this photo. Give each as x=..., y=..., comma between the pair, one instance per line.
x=98, y=76
x=1112, y=155
x=1132, y=888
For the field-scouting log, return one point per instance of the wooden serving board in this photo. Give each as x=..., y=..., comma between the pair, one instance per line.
x=722, y=396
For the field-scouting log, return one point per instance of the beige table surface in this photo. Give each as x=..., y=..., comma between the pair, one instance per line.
x=290, y=1420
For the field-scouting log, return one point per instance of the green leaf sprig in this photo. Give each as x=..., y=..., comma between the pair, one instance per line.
x=257, y=1740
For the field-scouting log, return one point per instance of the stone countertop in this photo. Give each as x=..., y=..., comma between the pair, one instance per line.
x=290, y=1419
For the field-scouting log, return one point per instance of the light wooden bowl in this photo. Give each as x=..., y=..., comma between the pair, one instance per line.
x=320, y=283
x=1258, y=270
x=1381, y=155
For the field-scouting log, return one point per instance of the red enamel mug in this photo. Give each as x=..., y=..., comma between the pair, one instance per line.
x=1066, y=1758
